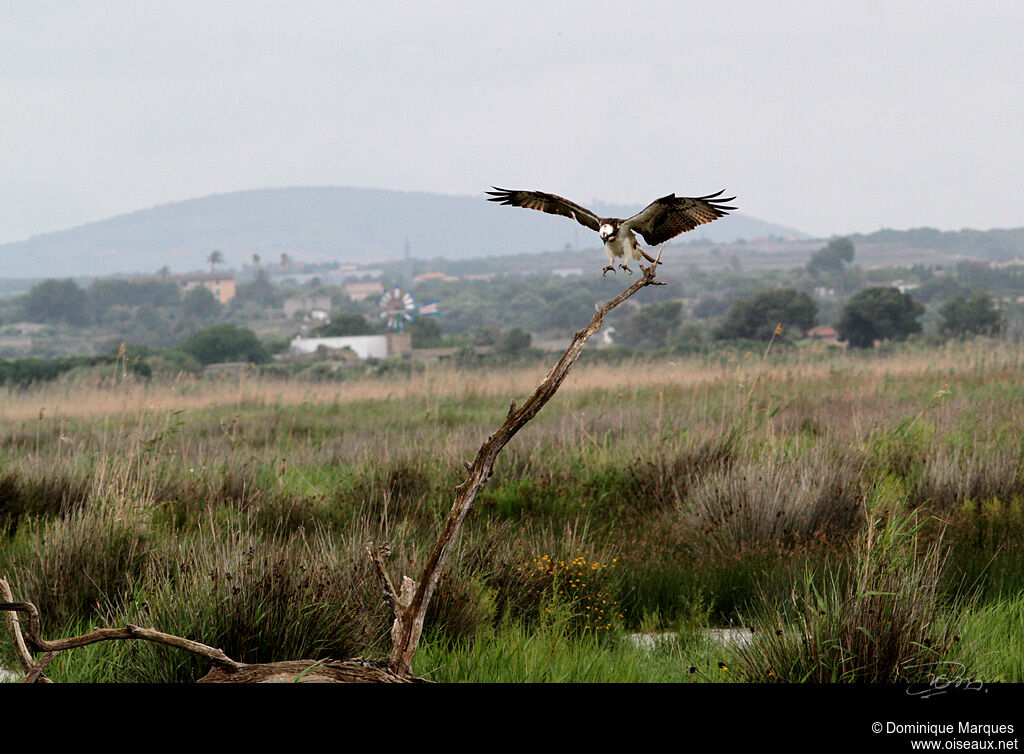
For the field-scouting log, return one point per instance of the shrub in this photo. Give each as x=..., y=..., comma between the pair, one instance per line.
x=881, y=623
x=775, y=502
x=222, y=343
x=881, y=313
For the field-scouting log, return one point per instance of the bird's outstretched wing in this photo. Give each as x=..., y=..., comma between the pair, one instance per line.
x=671, y=215
x=549, y=203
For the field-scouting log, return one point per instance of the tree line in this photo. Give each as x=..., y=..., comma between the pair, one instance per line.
x=691, y=311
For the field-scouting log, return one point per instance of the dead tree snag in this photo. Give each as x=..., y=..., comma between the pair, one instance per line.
x=410, y=605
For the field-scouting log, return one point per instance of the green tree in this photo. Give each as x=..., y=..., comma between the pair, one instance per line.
x=757, y=318
x=831, y=257
x=575, y=307
x=485, y=336
x=939, y=289
x=214, y=258
x=222, y=343
x=425, y=333
x=964, y=317
x=201, y=304
x=345, y=324
x=109, y=293
x=649, y=326
x=708, y=306
x=880, y=313
x=513, y=342
x=148, y=327
x=56, y=300
x=259, y=290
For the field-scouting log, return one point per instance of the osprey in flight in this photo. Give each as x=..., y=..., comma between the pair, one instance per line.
x=659, y=221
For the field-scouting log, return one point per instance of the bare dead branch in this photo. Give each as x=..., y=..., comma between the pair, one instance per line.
x=408, y=626
x=32, y=634
x=36, y=673
x=225, y=670
x=14, y=627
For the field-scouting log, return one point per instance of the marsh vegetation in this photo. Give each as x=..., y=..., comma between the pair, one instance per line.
x=862, y=512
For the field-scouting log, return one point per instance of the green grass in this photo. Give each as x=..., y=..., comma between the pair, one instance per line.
x=551, y=650
x=991, y=646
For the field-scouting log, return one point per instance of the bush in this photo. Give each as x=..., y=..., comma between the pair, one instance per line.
x=881, y=313
x=757, y=319
x=56, y=301
x=200, y=304
x=222, y=343
x=966, y=317
x=513, y=342
x=345, y=324
x=882, y=623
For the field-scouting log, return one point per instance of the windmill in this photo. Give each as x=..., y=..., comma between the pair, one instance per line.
x=399, y=309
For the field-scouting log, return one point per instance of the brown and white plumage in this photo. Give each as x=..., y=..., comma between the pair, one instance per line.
x=659, y=221
x=554, y=205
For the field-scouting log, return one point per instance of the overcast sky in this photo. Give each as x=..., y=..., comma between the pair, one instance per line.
x=829, y=117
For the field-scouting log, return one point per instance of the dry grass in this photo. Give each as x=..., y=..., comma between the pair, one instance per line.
x=782, y=502
x=854, y=376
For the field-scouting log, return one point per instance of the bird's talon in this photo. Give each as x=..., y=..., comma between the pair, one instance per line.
x=626, y=269
x=606, y=269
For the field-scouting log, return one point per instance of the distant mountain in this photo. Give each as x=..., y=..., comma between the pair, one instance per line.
x=319, y=224
x=996, y=244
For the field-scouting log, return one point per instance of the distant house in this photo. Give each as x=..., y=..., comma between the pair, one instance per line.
x=827, y=335
x=221, y=286
x=310, y=304
x=567, y=272
x=432, y=276
x=364, y=346
x=359, y=291
x=903, y=286
x=823, y=332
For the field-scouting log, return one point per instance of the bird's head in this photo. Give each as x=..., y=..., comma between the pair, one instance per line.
x=608, y=231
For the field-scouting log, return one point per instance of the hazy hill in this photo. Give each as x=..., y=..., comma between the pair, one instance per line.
x=319, y=223
x=996, y=244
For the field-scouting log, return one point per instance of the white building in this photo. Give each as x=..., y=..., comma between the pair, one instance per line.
x=364, y=346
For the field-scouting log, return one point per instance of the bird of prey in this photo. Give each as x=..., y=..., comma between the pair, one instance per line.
x=659, y=221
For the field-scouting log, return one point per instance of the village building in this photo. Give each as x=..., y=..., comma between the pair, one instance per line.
x=315, y=306
x=567, y=272
x=432, y=276
x=364, y=346
x=221, y=286
x=359, y=291
x=827, y=335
